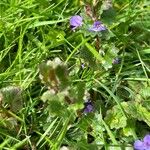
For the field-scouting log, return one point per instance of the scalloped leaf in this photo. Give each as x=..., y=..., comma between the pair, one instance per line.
x=135, y=110
x=12, y=95
x=145, y=92
x=115, y=118
x=54, y=74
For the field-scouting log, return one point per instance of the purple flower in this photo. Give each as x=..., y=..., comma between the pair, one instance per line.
x=139, y=145
x=143, y=144
x=146, y=141
x=116, y=61
x=75, y=21
x=97, y=26
x=88, y=107
x=82, y=65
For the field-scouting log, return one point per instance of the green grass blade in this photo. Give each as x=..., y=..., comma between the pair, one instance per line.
x=46, y=132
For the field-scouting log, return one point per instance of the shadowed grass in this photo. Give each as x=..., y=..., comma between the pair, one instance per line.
x=34, y=31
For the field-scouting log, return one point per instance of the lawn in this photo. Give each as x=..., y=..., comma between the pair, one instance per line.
x=74, y=75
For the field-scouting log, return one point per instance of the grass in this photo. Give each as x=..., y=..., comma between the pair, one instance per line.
x=48, y=71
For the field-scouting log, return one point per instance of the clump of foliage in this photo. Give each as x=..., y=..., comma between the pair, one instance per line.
x=74, y=74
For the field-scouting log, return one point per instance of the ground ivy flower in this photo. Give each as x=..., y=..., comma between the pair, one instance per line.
x=97, y=26
x=116, y=61
x=82, y=65
x=143, y=144
x=88, y=107
x=75, y=22
x=139, y=145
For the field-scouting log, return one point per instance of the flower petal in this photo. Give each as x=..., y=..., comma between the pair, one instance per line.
x=75, y=21
x=88, y=107
x=97, y=26
x=139, y=145
x=147, y=139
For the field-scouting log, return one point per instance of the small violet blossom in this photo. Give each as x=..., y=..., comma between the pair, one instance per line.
x=116, y=61
x=82, y=65
x=143, y=144
x=88, y=107
x=97, y=26
x=75, y=22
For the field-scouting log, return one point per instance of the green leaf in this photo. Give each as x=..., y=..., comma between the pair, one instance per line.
x=145, y=92
x=95, y=53
x=115, y=118
x=54, y=37
x=137, y=111
x=87, y=56
x=110, y=55
x=47, y=95
x=109, y=16
x=133, y=109
x=56, y=107
x=54, y=73
x=127, y=131
x=47, y=73
x=81, y=91
x=61, y=72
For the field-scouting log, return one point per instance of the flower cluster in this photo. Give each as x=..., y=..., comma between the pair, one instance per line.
x=143, y=144
x=77, y=21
